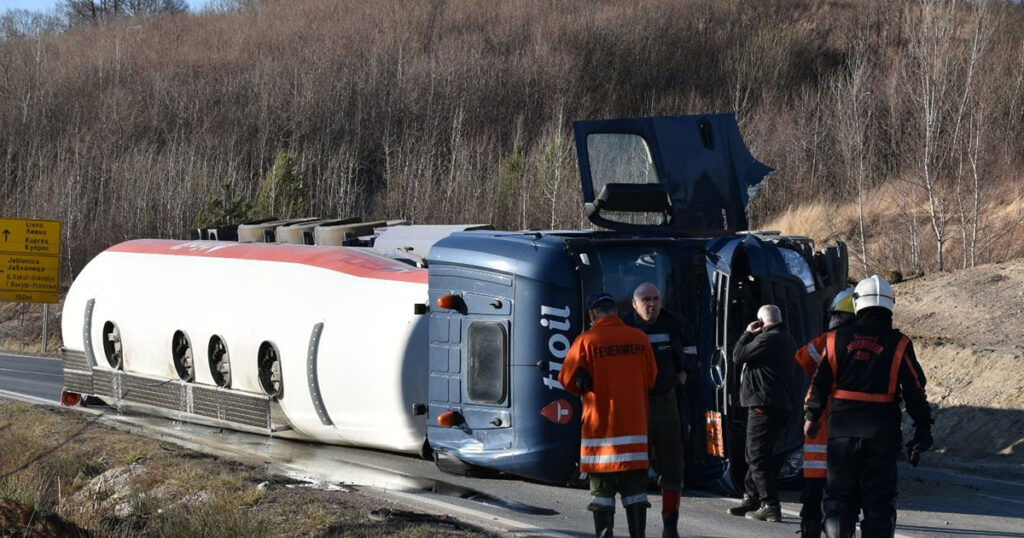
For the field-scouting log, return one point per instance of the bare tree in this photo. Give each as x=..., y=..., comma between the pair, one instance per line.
x=941, y=85
x=852, y=123
x=20, y=23
x=95, y=11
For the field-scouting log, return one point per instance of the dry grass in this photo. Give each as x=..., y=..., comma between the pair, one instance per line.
x=886, y=224
x=51, y=460
x=21, y=327
x=458, y=112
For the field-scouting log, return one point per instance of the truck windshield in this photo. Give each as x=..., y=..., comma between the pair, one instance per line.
x=622, y=158
x=623, y=268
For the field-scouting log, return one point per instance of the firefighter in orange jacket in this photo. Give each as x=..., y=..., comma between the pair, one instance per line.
x=815, y=447
x=611, y=366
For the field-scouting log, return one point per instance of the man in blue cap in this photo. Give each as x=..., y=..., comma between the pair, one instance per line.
x=611, y=367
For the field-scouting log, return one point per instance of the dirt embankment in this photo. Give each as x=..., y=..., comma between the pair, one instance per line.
x=21, y=327
x=968, y=331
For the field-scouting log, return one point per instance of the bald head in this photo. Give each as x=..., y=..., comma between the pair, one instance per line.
x=769, y=314
x=647, y=302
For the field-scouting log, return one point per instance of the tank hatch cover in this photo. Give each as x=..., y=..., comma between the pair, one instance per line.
x=416, y=240
x=673, y=174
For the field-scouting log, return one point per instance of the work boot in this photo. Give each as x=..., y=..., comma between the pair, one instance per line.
x=749, y=504
x=837, y=527
x=768, y=512
x=636, y=519
x=604, y=522
x=669, y=523
x=810, y=528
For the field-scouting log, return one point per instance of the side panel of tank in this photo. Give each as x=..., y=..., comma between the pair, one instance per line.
x=370, y=353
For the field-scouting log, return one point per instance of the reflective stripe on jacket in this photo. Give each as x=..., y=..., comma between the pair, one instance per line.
x=878, y=353
x=815, y=448
x=870, y=369
x=621, y=363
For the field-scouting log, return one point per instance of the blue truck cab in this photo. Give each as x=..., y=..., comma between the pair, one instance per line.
x=670, y=195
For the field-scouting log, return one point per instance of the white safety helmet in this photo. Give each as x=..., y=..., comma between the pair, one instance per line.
x=873, y=291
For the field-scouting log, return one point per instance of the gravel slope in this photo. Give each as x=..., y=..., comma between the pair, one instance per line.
x=968, y=330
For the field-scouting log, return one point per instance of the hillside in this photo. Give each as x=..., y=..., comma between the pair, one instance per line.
x=445, y=112
x=897, y=231
x=967, y=328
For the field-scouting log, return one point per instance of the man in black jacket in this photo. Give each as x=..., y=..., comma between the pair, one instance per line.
x=866, y=370
x=765, y=352
x=670, y=335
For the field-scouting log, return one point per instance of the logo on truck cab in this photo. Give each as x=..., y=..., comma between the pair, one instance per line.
x=555, y=320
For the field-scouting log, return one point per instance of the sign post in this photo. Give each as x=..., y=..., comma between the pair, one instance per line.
x=30, y=263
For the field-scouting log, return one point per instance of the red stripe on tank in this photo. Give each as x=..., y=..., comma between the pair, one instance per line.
x=341, y=259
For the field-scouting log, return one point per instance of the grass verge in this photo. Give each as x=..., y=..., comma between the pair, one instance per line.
x=61, y=474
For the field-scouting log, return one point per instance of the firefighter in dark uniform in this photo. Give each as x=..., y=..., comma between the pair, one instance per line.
x=866, y=370
x=669, y=333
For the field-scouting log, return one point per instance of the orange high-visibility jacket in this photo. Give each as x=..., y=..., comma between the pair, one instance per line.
x=815, y=448
x=621, y=363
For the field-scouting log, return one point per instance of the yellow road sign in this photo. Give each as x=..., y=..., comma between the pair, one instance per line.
x=30, y=236
x=29, y=260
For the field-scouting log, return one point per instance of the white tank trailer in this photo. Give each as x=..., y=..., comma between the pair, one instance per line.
x=305, y=342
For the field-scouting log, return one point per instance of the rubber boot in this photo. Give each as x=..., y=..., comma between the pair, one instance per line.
x=669, y=523
x=636, y=518
x=749, y=504
x=837, y=527
x=604, y=522
x=810, y=528
x=670, y=499
x=768, y=512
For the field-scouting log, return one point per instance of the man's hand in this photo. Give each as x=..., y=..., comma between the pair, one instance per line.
x=810, y=428
x=921, y=442
x=681, y=378
x=755, y=326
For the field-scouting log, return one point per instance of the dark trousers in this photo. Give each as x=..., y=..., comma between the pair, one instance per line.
x=764, y=425
x=630, y=485
x=811, y=497
x=666, y=440
x=864, y=471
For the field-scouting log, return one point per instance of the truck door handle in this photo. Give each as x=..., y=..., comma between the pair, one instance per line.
x=497, y=421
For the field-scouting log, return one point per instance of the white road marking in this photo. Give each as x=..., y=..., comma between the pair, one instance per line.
x=3, y=354
x=29, y=372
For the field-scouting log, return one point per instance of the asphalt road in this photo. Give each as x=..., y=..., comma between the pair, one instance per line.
x=32, y=376
x=931, y=503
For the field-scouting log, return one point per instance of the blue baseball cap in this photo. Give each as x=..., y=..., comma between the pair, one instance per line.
x=595, y=300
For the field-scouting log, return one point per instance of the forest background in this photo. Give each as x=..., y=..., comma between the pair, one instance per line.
x=894, y=126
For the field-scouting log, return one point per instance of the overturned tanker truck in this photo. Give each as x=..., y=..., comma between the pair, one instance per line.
x=447, y=341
